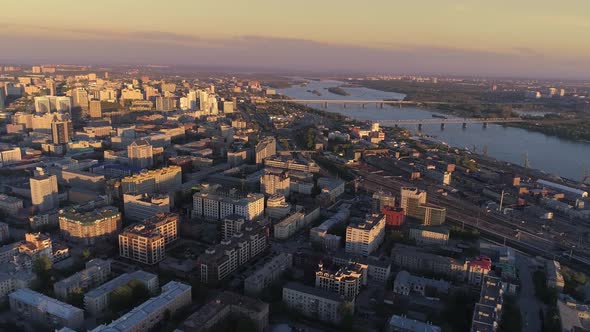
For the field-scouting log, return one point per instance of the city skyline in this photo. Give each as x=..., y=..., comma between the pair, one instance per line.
x=528, y=38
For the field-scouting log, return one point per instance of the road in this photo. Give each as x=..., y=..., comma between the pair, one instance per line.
x=527, y=301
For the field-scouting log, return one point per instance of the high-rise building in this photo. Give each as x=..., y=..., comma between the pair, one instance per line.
x=62, y=131
x=80, y=98
x=165, y=103
x=413, y=203
x=142, y=243
x=166, y=224
x=2, y=98
x=275, y=181
x=140, y=154
x=50, y=85
x=95, y=109
x=364, y=237
x=44, y=195
x=89, y=227
x=228, y=107
x=10, y=156
x=42, y=105
x=265, y=148
x=381, y=200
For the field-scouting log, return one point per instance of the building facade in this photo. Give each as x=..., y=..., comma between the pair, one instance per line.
x=89, y=227
x=365, y=237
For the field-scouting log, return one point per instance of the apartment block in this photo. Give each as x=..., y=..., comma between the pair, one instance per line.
x=30, y=305
x=313, y=302
x=221, y=260
x=97, y=300
x=143, y=206
x=434, y=235
x=142, y=243
x=488, y=310
x=218, y=206
x=97, y=272
x=344, y=280
x=275, y=181
x=224, y=306
x=264, y=276
x=146, y=316
x=90, y=227
x=364, y=237
x=231, y=225
x=161, y=180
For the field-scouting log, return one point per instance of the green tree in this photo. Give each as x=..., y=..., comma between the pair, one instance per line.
x=121, y=298
x=76, y=297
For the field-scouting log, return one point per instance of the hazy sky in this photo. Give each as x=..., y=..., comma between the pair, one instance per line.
x=500, y=37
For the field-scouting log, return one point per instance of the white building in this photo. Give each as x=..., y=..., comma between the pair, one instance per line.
x=10, y=156
x=140, y=154
x=44, y=195
x=217, y=206
x=365, y=237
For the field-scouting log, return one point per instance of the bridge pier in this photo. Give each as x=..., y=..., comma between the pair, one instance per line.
x=442, y=126
x=420, y=127
x=464, y=125
x=363, y=105
x=381, y=105
x=326, y=105
x=485, y=125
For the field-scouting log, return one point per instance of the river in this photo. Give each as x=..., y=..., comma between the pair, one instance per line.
x=547, y=153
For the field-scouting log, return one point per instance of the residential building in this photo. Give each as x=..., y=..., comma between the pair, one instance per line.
x=166, y=224
x=62, y=131
x=162, y=180
x=477, y=269
x=394, y=216
x=32, y=306
x=344, y=280
x=277, y=207
x=269, y=272
x=275, y=182
x=433, y=235
x=12, y=278
x=381, y=200
x=44, y=195
x=415, y=259
x=405, y=283
x=165, y=103
x=221, y=260
x=90, y=227
x=4, y=231
x=10, y=156
x=146, y=316
x=218, y=206
x=292, y=164
x=10, y=205
x=413, y=203
x=290, y=225
x=231, y=225
x=140, y=154
x=554, y=275
x=488, y=310
x=228, y=305
x=378, y=268
x=97, y=300
x=95, y=109
x=267, y=147
x=314, y=303
x=404, y=324
x=364, y=237
x=332, y=188
x=97, y=272
x=143, y=206
x=142, y=243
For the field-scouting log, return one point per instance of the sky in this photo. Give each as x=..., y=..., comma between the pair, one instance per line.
x=529, y=38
